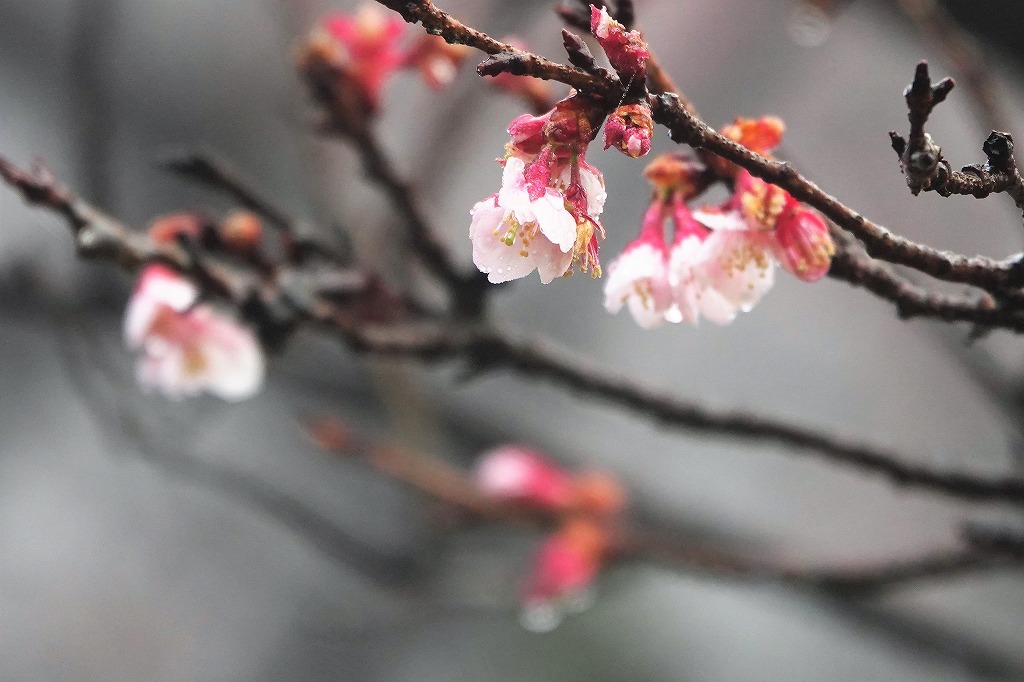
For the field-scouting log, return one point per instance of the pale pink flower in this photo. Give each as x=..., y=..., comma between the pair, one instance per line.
x=516, y=473
x=437, y=60
x=370, y=53
x=513, y=235
x=716, y=274
x=185, y=347
x=639, y=277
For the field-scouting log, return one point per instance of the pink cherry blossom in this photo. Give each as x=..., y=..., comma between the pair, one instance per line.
x=516, y=473
x=640, y=276
x=370, y=51
x=185, y=347
x=513, y=235
x=795, y=234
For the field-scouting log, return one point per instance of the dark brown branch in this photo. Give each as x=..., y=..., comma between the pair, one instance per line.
x=468, y=288
x=879, y=242
x=440, y=23
x=851, y=264
x=685, y=127
x=925, y=167
x=487, y=349
x=96, y=234
x=444, y=483
x=342, y=117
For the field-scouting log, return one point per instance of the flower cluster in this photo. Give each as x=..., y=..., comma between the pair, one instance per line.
x=722, y=258
x=364, y=51
x=545, y=216
x=567, y=561
x=186, y=347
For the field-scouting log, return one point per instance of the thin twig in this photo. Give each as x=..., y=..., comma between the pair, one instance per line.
x=485, y=348
x=208, y=169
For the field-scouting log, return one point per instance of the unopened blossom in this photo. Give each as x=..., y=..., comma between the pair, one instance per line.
x=519, y=474
x=369, y=51
x=761, y=135
x=563, y=571
x=803, y=244
x=629, y=129
x=626, y=50
x=437, y=60
x=168, y=229
x=527, y=135
x=187, y=347
x=241, y=232
x=639, y=277
x=676, y=175
x=597, y=494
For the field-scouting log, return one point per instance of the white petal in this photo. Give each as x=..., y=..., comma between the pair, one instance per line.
x=556, y=223
x=720, y=220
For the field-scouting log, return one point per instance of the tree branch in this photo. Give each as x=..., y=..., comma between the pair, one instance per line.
x=444, y=483
x=485, y=348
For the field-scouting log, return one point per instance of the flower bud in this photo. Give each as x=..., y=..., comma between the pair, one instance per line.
x=676, y=173
x=518, y=474
x=804, y=246
x=166, y=230
x=629, y=129
x=626, y=50
x=241, y=232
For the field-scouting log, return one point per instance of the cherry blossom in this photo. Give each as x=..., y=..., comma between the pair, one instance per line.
x=186, y=347
x=516, y=473
x=639, y=277
x=545, y=217
x=369, y=51
x=513, y=235
x=775, y=221
x=562, y=573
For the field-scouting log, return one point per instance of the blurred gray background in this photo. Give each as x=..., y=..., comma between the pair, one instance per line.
x=148, y=540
